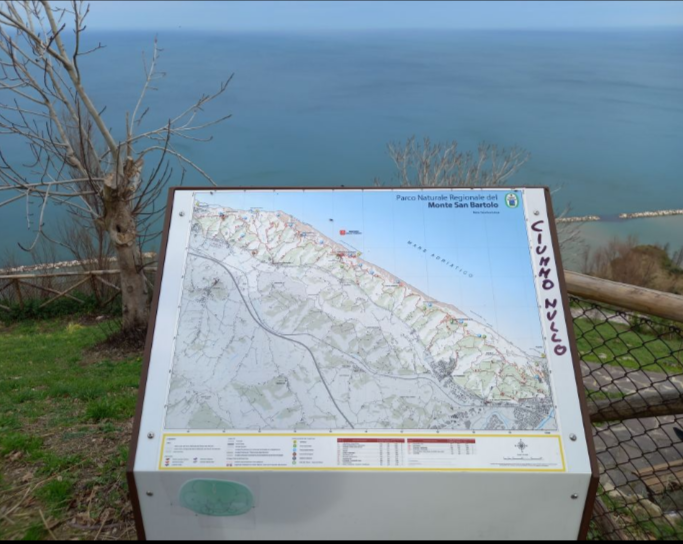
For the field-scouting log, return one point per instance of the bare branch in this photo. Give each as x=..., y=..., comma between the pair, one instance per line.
x=149, y=75
x=182, y=159
x=442, y=165
x=41, y=223
x=76, y=80
x=73, y=158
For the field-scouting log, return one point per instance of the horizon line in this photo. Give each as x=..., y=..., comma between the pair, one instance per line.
x=670, y=26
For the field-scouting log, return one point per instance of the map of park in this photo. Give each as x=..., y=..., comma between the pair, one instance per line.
x=282, y=327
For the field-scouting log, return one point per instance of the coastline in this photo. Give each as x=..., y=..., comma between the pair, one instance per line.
x=621, y=216
x=663, y=231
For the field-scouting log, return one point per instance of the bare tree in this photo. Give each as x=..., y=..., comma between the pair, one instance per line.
x=76, y=160
x=441, y=165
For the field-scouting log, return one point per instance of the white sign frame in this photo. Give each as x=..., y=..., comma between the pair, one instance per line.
x=563, y=495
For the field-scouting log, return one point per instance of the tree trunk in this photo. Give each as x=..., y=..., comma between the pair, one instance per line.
x=133, y=287
x=120, y=223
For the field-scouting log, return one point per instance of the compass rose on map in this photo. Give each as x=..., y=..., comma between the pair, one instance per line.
x=521, y=446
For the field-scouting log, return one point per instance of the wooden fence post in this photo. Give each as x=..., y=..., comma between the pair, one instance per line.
x=94, y=287
x=18, y=290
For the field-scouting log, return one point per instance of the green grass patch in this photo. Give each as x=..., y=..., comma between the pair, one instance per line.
x=9, y=422
x=116, y=408
x=53, y=463
x=36, y=531
x=604, y=395
x=19, y=442
x=76, y=389
x=44, y=375
x=56, y=494
x=65, y=407
x=617, y=344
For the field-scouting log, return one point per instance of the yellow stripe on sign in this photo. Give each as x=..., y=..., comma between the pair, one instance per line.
x=392, y=435
x=366, y=469
x=380, y=469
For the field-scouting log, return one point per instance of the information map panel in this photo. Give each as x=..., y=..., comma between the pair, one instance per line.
x=317, y=357
x=387, y=329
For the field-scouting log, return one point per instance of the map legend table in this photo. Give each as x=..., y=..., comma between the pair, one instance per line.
x=370, y=452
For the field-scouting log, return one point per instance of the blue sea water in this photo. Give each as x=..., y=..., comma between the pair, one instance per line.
x=601, y=112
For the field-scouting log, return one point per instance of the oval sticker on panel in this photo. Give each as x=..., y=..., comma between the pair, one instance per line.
x=216, y=498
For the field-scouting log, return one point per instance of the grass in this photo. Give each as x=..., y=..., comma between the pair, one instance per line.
x=66, y=411
x=635, y=522
x=17, y=442
x=57, y=494
x=604, y=395
x=619, y=345
x=36, y=531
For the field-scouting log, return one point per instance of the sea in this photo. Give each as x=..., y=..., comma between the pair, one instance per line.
x=600, y=112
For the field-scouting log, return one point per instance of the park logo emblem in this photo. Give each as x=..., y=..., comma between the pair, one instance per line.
x=511, y=200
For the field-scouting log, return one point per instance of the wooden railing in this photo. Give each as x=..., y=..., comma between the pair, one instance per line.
x=17, y=289
x=628, y=297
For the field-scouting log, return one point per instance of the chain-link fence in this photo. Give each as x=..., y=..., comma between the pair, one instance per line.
x=633, y=373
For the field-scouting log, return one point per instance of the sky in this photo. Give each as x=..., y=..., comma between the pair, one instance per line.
x=366, y=15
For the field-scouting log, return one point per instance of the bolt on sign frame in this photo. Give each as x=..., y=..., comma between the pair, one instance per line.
x=200, y=477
